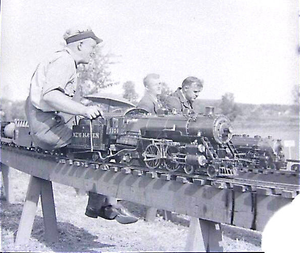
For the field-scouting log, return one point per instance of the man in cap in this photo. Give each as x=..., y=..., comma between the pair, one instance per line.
x=183, y=98
x=150, y=101
x=52, y=103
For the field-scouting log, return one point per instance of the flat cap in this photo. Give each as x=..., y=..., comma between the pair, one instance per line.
x=80, y=33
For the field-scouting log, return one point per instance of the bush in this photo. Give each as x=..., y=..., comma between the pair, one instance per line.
x=229, y=107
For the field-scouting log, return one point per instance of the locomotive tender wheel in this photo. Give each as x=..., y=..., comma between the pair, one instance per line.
x=188, y=169
x=152, y=156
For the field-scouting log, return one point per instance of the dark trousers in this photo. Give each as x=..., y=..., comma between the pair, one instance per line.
x=48, y=129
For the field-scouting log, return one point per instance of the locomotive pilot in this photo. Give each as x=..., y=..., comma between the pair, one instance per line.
x=150, y=101
x=52, y=98
x=183, y=98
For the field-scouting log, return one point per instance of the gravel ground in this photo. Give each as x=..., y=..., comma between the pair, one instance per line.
x=78, y=233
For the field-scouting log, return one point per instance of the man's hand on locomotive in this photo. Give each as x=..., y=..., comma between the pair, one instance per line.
x=93, y=112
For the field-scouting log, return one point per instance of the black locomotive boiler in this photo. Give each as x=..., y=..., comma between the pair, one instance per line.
x=266, y=153
x=194, y=144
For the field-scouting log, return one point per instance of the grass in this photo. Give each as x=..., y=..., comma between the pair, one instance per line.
x=78, y=233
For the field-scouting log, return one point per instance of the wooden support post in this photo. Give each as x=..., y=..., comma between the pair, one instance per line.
x=29, y=210
x=36, y=188
x=151, y=214
x=7, y=183
x=49, y=215
x=203, y=236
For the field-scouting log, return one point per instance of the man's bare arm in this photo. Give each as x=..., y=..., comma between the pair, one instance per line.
x=60, y=102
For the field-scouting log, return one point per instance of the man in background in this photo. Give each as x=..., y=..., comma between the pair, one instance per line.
x=183, y=98
x=150, y=101
x=53, y=102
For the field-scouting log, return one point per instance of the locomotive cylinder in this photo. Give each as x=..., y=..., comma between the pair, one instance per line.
x=196, y=160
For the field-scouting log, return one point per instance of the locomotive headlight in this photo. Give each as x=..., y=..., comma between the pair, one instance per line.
x=201, y=148
x=202, y=160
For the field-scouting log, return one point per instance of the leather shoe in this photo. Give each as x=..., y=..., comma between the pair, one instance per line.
x=92, y=212
x=112, y=212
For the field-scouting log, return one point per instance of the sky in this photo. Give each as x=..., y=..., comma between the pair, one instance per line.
x=246, y=47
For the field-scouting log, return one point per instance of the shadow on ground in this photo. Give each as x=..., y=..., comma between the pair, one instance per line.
x=71, y=238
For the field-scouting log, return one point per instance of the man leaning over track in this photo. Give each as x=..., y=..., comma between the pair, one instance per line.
x=53, y=102
x=183, y=98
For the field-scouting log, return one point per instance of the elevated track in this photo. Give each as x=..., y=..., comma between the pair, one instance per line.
x=247, y=201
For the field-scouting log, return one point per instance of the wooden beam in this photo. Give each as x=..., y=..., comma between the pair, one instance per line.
x=244, y=209
x=204, y=236
x=29, y=210
x=151, y=214
x=36, y=188
x=212, y=235
x=8, y=191
x=228, y=206
x=49, y=215
x=201, y=201
x=266, y=207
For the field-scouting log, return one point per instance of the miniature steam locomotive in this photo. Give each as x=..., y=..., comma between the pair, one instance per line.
x=193, y=144
x=266, y=153
x=198, y=144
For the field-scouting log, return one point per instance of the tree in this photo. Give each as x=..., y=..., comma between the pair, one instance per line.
x=129, y=92
x=96, y=75
x=296, y=94
x=229, y=107
x=165, y=92
x=12, y=110
x=296, y=98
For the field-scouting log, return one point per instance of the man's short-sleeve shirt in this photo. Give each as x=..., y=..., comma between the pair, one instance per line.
x=178, y=101
x=58, y=72
x=149, y=103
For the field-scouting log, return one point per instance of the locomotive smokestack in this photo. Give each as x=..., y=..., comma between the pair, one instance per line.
x=209, y=110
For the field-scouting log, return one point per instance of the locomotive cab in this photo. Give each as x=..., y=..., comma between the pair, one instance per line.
x=89, y=135
x=96, y=137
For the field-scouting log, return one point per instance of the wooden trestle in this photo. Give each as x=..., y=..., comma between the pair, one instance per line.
x=212, y=204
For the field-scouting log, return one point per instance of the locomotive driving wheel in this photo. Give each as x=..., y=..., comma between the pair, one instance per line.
x=152, y=156
x=170, y=163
